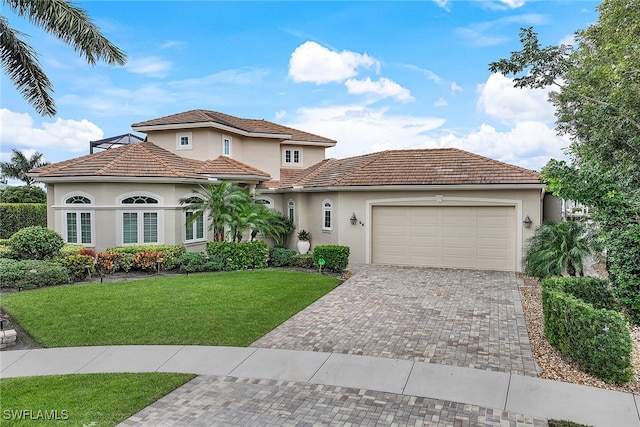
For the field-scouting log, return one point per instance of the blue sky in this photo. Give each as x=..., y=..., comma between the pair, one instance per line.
x=374, y=75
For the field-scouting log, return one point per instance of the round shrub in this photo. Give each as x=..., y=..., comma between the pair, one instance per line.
x=281, y=257
x=78, y=266
x=35, y=243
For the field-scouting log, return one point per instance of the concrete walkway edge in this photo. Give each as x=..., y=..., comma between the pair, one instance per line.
x=497, y=390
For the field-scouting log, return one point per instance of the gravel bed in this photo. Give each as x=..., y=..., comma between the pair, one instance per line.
x=553, y=365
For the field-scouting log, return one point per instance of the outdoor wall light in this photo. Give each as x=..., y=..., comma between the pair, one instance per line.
x=353, y=219
x=527, y=222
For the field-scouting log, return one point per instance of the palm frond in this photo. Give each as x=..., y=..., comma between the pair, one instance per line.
x=71, y=25
x=20, y=63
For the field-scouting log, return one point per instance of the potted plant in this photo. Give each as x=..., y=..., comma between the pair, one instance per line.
x=303, y=242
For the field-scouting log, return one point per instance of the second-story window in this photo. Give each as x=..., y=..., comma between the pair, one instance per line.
x=226, y=146
x=184, y=141
x=292, y=157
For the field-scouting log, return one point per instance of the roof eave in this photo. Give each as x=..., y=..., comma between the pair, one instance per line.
x=413, y=187
x=311, y=143
x=200, y=125
x=108, y=178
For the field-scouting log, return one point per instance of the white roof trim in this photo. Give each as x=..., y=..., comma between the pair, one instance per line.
x=178, y=126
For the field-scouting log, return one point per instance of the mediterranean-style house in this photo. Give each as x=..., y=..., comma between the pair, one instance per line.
x=428, y=207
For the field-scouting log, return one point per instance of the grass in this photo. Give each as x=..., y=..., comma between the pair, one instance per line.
x=90, y=399
x=231, y=308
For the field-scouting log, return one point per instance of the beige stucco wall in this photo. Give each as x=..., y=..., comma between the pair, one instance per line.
x=345, y=203
x=107, y=209
x=262, y=153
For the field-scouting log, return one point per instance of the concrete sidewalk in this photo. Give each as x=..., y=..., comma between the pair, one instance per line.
x=497, y=390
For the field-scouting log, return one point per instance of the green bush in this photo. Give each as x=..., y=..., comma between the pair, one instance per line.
x=29, y=274
x=16, y=216
x=595, y=291
x=35, y=243
x=239, y=256
x=23, y=194
x=171, y=255
x=303, y=261
x=5, y=252
x=196, y=262
x=76, y=266
x=70, y=249
x=598, y=339
x=281, y=257
x=336, y=257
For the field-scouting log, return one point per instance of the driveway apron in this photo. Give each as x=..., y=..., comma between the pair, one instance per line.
x=454, y=317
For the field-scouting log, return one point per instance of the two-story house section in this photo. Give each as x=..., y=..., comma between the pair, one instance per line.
x=427, y=207
x=203, y=135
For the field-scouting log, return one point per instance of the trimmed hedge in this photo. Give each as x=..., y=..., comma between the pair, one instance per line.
x=77, y=265
x=30, y=274
x=595, y=291
x=303, y=261
x=336, y=257
x=239, y=256
x=281, y=257
x=16, y=216
x=197, y=262
x=598, y=339
x=125, y=262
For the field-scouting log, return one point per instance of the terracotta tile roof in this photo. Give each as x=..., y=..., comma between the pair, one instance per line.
x=227, y=166
x=448, y=166
x=246, y=125
x=144, y=159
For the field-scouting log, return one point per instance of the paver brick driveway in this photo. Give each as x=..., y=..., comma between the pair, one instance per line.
x=453, y=317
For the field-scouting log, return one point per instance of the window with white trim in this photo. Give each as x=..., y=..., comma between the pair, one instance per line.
x=292, y=157
x=291, y=210
x=193, y=224
x=184, y=141
x=226, y=146
x=78, y=220
x=327, y=212
x=140, y=226
x=267, y=202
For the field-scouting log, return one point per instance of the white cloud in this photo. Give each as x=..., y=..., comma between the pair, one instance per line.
x=455, y=87
x=19, y=130
x=513, y=4
x=528, y=144
x=382, y=88
x=311, y=62
x=152, y=66
x=499, y=99
x=441, y=102
x=281, y=114
x=360, y=129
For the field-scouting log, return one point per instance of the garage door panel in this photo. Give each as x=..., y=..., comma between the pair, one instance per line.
x=444, y=236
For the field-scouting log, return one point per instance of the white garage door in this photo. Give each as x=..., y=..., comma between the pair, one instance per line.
x=480, y=237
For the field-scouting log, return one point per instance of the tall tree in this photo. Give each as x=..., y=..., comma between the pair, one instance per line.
x=19, y=166
x=63, y=20
x=598, y=105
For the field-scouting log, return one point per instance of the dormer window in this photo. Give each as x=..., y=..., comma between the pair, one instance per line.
x=184, y=141
x=292, y=157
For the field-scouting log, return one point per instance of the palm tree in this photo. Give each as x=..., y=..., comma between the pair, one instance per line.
x=558, y=247
x=19, y=166
x=222, y=202
x=66, y=22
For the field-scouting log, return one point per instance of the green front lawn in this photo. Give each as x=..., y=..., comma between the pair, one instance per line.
x=231, y=308
x=76, y=400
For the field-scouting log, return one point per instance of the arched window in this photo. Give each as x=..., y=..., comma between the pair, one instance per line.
x=140, y=225
x=138, y=200
x=78, y=220
x=327, y=217
x=267, y=202
x=291, y=210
